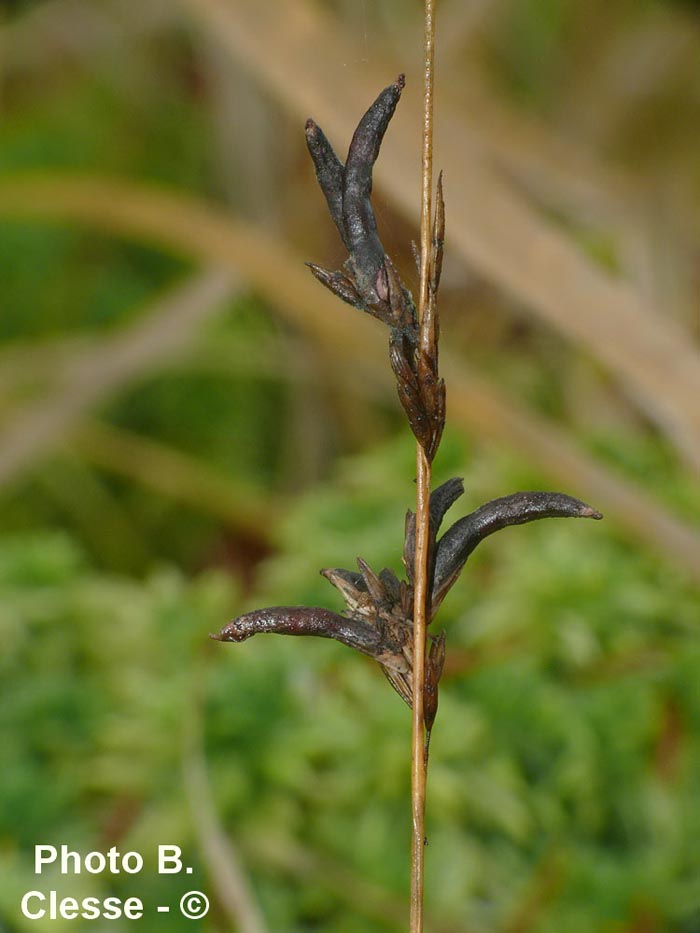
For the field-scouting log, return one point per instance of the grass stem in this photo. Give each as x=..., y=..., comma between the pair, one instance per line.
x=419, y=761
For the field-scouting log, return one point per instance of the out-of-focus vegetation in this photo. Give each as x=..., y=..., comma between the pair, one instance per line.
x=189, y=428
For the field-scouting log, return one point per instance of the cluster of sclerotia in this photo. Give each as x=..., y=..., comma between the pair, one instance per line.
x=379, y=617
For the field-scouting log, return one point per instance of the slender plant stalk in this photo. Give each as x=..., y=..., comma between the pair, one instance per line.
x=419, y=760
x=387, y=618
x=419, y=740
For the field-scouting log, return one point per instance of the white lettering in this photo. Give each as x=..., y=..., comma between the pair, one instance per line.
x=112, y=908
x=25, y=905
x=132, y=863
x=43, y=859
x=66, y=856
x=91, y=908
x=133, y=908
x=169, y=855
x=95, y=863
x=69, y=908
x=113, y=857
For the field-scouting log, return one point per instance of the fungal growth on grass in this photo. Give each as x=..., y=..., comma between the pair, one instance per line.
x=369, y=279
x=379, y=607
x=379, y=619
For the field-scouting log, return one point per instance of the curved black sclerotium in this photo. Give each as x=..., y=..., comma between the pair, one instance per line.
x=455, y=546
x=311, y=620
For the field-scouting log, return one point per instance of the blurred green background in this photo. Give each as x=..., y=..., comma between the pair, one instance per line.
x=190, y=427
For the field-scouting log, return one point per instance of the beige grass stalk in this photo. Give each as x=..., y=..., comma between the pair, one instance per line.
x=419, y=757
